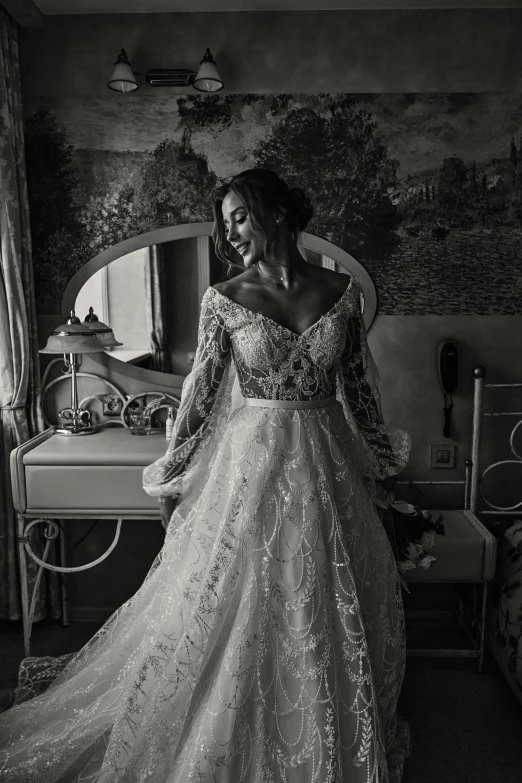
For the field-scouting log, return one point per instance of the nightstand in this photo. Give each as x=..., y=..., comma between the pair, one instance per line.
x=91, y=477
x=466, y=554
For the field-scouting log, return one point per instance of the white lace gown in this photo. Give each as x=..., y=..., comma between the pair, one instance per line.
x=266, y=644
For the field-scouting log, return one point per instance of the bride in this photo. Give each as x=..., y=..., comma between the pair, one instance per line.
x=266, y=644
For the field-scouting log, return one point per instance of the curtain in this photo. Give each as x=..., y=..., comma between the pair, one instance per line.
x=155, y=287
x=20, y=398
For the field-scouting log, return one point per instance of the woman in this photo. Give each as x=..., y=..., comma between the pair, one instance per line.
x=266, y=643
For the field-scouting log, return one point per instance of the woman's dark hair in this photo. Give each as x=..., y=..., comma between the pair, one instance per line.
x=265, y=195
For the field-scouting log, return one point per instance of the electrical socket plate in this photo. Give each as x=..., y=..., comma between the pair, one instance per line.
x=442, y=455
x=111, y=405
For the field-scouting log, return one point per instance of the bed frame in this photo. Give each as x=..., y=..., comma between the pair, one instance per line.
x=476, y=476
x=473, y=479
x=473, y=493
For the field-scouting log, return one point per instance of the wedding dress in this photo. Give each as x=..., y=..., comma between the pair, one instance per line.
x=266, y=644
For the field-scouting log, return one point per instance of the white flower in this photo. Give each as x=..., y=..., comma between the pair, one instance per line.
x=426, y=562
x=405, y=565
x=414, y=550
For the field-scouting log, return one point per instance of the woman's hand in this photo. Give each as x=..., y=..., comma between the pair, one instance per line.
x=167, y=507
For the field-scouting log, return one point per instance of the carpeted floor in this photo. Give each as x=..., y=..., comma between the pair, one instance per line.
x=466, y=727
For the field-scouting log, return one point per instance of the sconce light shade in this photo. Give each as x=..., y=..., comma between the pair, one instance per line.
x=122, y=79
x=208, y=79
x=103, y=332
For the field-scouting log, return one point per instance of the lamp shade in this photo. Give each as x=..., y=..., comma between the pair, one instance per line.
x=122, y=79
x=72, y=337
x=207, y=78
x=103, y=332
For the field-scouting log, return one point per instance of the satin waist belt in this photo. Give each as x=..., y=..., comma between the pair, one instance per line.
x=289, y=404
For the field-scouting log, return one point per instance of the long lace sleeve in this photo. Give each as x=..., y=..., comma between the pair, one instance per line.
x=204, y=402
x=387, y=448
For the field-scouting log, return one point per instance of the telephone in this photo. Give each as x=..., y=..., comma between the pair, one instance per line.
x=448, y=369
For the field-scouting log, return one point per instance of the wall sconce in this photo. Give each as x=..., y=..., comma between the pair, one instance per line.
x=122, y=79
x=207, y=79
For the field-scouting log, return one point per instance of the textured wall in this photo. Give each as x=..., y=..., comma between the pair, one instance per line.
x=365, y=52
x=315, y=51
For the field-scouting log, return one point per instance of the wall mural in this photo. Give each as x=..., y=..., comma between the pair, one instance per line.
x=425, y=190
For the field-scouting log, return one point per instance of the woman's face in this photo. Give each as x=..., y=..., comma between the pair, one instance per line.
x=239, y=231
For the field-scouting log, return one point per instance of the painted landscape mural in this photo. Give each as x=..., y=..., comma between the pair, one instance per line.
x=425, y=190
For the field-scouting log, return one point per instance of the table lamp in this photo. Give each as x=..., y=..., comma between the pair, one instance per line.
x=72, y=339
x=103, y=332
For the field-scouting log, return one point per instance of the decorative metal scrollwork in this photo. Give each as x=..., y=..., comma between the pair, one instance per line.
x=499, y=464
x=55, y=532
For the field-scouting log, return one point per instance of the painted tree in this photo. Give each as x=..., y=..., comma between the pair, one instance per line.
x=110, y=218
x=513, y=153
x=337, y=157
x=209, y=111
x=51, y=178
x=452, y=187
x=56, y=230
x=177, y=184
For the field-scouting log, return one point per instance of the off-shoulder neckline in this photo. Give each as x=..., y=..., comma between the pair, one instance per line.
x=276, y=323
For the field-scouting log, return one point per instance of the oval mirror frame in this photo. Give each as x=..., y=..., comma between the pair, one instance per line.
x=187, y=231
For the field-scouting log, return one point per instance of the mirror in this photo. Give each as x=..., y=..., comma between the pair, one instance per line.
x=149, y=288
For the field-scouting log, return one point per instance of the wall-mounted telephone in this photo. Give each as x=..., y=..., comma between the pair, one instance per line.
x=448, y=369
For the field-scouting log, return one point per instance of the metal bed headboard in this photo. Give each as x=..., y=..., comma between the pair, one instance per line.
x=476, y=477
x=472, y=482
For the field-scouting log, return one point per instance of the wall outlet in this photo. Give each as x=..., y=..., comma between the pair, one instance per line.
x=442, y=455
x=111, y=405
x=136, y=405
x=191, y=355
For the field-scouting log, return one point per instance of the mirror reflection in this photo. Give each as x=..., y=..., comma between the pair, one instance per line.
x=151, y=297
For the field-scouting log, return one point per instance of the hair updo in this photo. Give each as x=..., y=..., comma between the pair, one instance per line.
x=265, y=195
x=302, y=209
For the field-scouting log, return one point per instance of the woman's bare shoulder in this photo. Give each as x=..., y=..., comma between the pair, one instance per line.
x=325, y=279
x=337, y=281
x=234, y=284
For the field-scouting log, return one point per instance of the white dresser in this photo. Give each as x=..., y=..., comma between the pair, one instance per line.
x=96, y=476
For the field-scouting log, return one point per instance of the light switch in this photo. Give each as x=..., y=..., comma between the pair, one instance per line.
x=442, y=455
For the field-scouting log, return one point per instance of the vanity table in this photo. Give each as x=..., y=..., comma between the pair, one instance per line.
x=92, y=477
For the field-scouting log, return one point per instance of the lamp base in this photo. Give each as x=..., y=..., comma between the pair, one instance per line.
x=76, y=429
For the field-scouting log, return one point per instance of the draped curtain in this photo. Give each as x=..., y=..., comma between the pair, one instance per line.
x=20, y=397
x=155, y=286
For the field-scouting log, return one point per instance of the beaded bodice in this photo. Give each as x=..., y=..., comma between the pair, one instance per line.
x=272, y=361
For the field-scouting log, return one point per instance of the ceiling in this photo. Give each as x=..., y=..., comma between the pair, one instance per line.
x=157, y=6
x=32, y=13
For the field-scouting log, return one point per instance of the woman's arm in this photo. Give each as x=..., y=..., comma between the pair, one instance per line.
x=387, y=448
x=163, y=479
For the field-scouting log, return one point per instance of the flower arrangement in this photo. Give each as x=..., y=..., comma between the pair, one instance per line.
x=410, y=530
x=414, y=532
